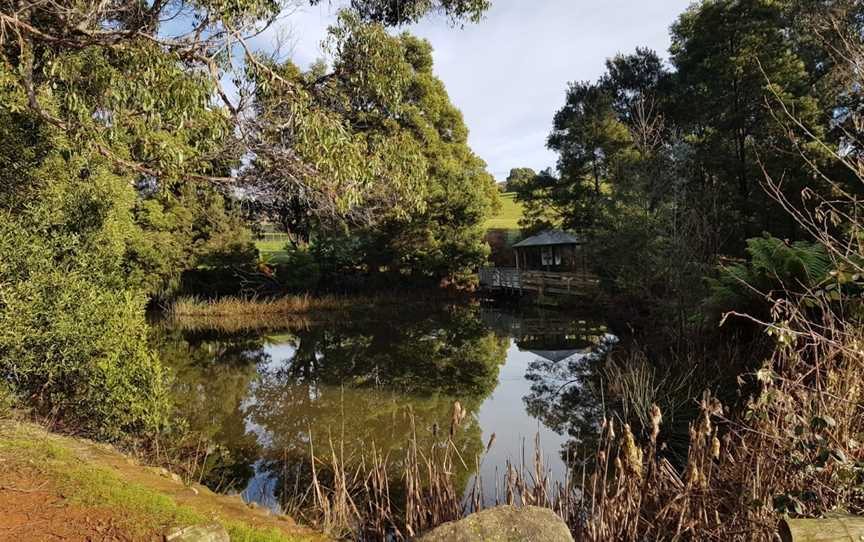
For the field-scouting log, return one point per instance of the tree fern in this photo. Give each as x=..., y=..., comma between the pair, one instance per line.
x=774, y=269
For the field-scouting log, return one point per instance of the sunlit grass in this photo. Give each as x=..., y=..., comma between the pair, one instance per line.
x=237, y=306
x=84, y=482
x=272, y=248
x=509, y=215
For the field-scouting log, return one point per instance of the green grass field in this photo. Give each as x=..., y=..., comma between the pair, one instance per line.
x=272, y=247
x=509, y=215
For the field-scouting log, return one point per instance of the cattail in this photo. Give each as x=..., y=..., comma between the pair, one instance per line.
x=693, y=474
x=491, y=442
x=656, y=420
x=456, y=418
x=706, y=422
x=715, y=447
x=632, y=453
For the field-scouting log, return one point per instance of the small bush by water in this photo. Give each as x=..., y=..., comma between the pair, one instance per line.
x=73, y=336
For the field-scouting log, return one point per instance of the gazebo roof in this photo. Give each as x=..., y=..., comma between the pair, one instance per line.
x=554, y=355
x=547, y=238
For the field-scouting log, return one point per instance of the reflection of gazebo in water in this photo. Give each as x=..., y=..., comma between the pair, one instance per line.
x=548, y=335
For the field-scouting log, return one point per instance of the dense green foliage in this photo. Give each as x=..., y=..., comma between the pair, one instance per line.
x=120, y=154
x=427, y=223
x=665, y=168
x=518, y=178
x=73, y=336
x=397, y=12
x=775, y=268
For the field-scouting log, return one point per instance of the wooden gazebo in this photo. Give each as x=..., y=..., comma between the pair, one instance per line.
x=551, y=250
x=552, y=262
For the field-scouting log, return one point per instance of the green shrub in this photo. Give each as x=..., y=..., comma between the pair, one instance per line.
x=299, y=272
x=7, y=400
x=73, y=335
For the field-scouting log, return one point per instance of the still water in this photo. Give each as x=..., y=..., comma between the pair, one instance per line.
x=373, y=379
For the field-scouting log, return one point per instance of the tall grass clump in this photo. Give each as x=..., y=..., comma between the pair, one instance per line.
x=388, y=495
x=238, y=306
x=794, y=450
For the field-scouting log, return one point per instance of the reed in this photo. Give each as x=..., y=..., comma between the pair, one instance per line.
x=795, y=449
x=304, y=304
x=187, y=307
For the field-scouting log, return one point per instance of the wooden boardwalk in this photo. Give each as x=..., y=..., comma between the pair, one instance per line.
x=540, y=282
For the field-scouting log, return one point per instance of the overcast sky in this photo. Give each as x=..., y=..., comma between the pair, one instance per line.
x=508, y=73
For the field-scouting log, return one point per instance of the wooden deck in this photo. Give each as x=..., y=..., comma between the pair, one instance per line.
x=540, y=282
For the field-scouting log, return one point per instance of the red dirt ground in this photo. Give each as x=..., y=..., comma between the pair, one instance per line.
x=31, y=510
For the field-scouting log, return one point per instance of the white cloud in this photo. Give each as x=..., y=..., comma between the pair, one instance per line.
x=508, y=74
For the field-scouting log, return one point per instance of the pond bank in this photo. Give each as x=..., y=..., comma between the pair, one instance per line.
x=78, y=489
x=232, y=313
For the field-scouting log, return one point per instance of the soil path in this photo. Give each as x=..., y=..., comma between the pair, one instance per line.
x=34, y=506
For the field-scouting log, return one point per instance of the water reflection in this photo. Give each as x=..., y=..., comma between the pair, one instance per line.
x=377, y=380
x=567, y=396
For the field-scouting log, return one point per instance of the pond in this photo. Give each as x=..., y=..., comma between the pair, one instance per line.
x=371, y=381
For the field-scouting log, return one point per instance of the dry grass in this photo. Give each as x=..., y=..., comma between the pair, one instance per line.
x=192, y=307
x=358, y=501
x=794, y=449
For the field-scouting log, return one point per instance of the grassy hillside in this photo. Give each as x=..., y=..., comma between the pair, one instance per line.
x=272, y=246
x=509, y=215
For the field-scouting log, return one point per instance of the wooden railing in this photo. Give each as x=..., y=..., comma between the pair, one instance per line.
x=543, y=282
x=548, y=282
x=500, y=277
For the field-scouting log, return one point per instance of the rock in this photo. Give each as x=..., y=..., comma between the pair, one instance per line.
x=165, y=473
x=199, y=533
x=286, y=519
x=503, y=524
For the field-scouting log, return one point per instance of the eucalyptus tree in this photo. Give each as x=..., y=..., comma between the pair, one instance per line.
x=117, y=136
x=412, y=192
x=398, y=12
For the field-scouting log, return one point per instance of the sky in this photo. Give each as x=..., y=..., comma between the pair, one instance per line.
x=508, y=73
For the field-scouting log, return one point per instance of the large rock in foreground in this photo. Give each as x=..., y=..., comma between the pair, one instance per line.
x=199, y=533
x=503, y=524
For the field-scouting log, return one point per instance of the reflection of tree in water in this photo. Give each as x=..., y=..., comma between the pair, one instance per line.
x=449, y=352
x=376, y=382
x=566, y=395
x=212, y=376
x=574, y=395
x=351, y=423
x=359, y=381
